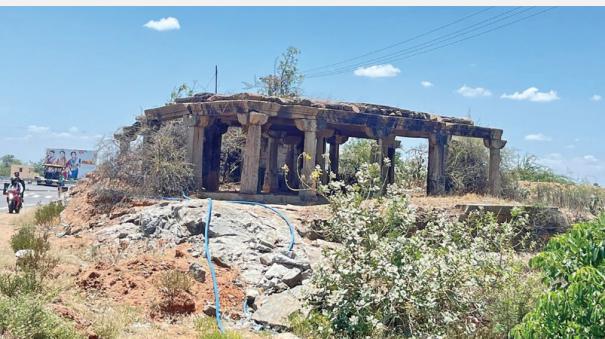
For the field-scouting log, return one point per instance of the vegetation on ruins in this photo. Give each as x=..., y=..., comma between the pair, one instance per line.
x=391, y=278
x=286, y=78
x=156, y=166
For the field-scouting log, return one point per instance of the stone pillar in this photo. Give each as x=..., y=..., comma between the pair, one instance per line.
x=309, y=127
x=195, y=146
x=436, y=164
x=271, y=184
x=253, y=121
x=335, y=143
x=292, y=160
x=493, y=175
x=213, y=136
x=391, y=150
x=384, y=144
x=322, y=137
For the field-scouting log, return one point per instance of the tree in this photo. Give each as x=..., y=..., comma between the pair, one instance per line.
x=5, y=164
x=286, y=78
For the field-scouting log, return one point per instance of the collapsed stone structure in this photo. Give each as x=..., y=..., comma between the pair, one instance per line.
x=277, y=127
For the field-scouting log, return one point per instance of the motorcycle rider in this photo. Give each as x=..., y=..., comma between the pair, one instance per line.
x=20, y=181
x=16, y=184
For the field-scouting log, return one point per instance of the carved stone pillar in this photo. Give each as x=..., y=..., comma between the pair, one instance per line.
x=195, y=147
x=292, y=142
x=391, y=151
x=322, y=137
x=335, y=143
x=253, y=121
x=213, y=136
x=436, y=164
x=493, y=175
x=271, y=184
x=384, y=145
x=309, y=127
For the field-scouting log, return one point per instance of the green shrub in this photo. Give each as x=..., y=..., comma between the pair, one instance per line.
x=392, y=278
x=173, y=282
x=207, y=328
x=27, y=238
x=573, y=265
x=26, y=317
x=315, y=325
x=13, y=284
x=38, y=262
x=48, y=214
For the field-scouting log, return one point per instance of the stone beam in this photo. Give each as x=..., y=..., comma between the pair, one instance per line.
x=250, y=170
x=493, y=175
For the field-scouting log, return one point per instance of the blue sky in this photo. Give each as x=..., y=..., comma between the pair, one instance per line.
x=71, y=75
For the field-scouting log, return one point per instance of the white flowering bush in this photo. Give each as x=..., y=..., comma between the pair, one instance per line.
x=390, y=278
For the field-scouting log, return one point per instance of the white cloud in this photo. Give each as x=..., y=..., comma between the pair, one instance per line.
x=532, y=94
x=164, y=24
x=596, y=97
x=73, y=129
x=37, y=129
x=377, y=71
x=537, y=137
x=471, y=92
x=426, y=83
x=591, y=158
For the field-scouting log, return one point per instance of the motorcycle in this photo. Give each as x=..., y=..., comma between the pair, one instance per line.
x=13, y=198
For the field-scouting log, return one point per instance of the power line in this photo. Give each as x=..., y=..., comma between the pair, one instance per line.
x=401, y=42
x=410, y=52
x=449, y=36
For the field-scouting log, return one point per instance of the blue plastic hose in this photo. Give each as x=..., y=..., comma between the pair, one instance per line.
x=217, y=301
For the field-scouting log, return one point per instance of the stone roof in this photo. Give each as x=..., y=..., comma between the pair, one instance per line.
x=342, y=106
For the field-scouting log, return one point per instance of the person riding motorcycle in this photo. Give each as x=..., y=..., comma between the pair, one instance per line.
x=16, y=185
x=22, y=182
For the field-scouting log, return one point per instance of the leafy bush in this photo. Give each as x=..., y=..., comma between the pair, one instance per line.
x=390, y=277
x=12, y=284
x=48, y=214
x=26, y=317
x=574, y=267
x=27, y=239
x=173, y=282
x=37, y=261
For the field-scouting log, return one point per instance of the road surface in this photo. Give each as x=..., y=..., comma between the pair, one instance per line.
x=34, y=195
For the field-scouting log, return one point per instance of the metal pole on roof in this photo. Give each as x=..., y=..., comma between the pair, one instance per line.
x=215, y=79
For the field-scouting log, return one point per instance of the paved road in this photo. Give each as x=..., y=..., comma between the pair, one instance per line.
x=34, y=195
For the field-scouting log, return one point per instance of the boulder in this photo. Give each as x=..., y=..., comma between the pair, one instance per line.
x=197, y=272
x=276, y=309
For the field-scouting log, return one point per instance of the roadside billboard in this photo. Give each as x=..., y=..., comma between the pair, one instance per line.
x=72, y=164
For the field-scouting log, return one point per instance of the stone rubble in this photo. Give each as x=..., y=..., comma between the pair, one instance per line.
x=251, y=239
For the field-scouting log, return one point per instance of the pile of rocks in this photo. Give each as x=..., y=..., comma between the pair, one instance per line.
x=250, y=239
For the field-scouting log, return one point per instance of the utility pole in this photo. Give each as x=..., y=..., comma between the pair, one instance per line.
x=215, y=79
